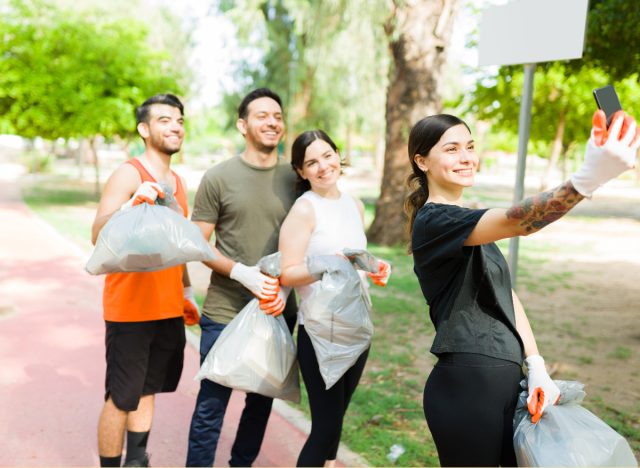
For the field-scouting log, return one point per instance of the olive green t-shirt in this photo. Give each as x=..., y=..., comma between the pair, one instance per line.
x=247, y=204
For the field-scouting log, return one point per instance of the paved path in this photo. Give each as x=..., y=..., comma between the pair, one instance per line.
x=52, y=361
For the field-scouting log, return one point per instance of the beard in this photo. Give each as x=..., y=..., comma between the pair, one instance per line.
x=159, y=143
x=265, y=148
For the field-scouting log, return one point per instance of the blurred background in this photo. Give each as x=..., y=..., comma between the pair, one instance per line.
x=72, y=72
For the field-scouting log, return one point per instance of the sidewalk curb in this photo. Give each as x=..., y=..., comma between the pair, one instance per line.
x=294, y=416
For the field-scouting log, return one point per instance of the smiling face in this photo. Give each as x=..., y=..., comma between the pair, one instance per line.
x=321, y=166
x=164, y=130
x=264, y=125
x=452, y=162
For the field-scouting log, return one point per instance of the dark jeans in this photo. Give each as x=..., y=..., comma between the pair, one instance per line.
x=211, y=406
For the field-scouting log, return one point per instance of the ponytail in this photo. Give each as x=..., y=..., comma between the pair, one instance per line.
x=418, y=195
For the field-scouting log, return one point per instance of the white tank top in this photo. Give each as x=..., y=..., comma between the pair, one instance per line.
x=338, y=225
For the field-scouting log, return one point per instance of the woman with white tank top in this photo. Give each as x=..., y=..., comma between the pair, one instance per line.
x=323, y=221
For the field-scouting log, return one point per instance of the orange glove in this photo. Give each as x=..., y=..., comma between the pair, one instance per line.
x=275, y=305
x=610, y=152
x=599, y=128
x=146, y=193
x=382, y=276
x=190, y=313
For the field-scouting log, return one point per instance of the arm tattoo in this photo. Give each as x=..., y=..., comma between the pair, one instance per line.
x=544, y=208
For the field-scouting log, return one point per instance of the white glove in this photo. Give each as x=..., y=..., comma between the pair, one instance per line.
x=275, y=305
x=606, y=162
x=146, y=193
x=542, y=390
x=261, y=285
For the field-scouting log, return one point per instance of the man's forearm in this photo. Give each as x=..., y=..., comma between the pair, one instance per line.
x=98, y=224
x=221, y=264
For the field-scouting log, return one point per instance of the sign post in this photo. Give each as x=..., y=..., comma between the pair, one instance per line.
x=528, y=32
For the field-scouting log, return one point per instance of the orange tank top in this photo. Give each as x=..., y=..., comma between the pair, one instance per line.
x=144, y=296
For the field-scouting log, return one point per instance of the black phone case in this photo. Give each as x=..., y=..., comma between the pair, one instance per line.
x=607, y=100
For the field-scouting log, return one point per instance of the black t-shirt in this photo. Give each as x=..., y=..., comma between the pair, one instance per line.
x=468, y=289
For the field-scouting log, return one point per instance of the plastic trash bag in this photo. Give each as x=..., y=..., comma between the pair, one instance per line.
x=567, y=434
x=147, y=238
x=169, y=200
x=362, y=260
x=255, y=352
x=336, y=315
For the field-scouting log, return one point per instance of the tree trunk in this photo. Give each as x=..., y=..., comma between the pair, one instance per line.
x=96, y=166
x=565, y=161
x=348, y=143
x=299, y=110
x=124, y=146
x=418, y=41
x=379, y=154
x=556, y=150
x=83, y=155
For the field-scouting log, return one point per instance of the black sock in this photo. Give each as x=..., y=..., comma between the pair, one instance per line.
x=136, y=445
x=110, y=461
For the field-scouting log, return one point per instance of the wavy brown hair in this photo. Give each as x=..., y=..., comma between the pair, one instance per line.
x=423, y=137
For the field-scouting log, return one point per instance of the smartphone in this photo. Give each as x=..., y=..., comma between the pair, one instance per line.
x=607, y=100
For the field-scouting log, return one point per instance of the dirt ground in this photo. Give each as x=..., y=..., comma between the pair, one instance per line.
x=585, y=308
x=586, y=318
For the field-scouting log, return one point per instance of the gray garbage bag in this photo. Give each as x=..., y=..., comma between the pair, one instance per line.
x=362, y=260
x=336, y=316
x=567, y=434
x=255, y=352
x=147, y=238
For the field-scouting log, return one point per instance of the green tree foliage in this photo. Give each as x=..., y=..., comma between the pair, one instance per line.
x=563, y=103
x=613, y=37
x=63, y=74
x=328, y=59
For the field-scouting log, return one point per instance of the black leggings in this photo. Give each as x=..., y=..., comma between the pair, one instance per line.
x=469, y=401
x=327, y=406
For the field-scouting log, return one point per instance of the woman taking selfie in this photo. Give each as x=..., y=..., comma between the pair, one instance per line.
x=482, y=333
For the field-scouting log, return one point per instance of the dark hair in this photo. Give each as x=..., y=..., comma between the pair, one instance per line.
x=424, y=136
x=298, y=151
x=142, y=111
x=243, y=108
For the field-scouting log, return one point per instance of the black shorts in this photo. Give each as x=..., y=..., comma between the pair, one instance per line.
x=143, y=358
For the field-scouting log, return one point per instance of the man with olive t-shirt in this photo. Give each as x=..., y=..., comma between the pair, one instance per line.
x=244, y=201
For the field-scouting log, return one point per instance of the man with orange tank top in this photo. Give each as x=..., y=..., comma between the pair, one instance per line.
x=144, y=312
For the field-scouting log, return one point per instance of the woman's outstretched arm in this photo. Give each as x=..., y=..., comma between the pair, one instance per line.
x=605, y=158
x=526, y=217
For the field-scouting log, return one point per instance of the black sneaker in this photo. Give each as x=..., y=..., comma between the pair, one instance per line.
x=138, y=462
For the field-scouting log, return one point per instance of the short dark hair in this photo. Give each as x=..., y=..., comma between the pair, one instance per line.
x=298, y=151
x=142, y=111
x=243, y=108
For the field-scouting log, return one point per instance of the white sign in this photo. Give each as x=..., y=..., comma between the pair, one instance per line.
x=532, y=31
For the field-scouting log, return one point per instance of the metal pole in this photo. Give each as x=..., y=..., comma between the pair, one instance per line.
x=524, y=127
